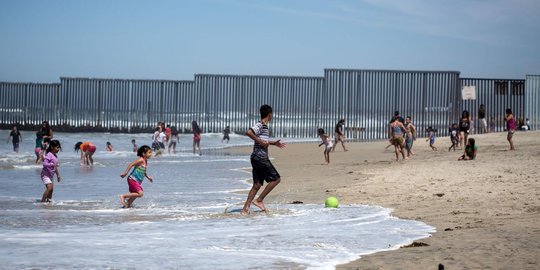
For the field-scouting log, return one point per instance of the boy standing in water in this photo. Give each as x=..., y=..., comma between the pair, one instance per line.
x=17, y=138
x=263, y=170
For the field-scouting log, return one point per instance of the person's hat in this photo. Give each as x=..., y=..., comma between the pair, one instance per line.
x=396, y=113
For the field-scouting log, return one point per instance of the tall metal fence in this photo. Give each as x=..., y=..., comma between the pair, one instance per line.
x=125, y=104
x=532, y=101
x=231, y=100
x=496, y=95
x=365, y=98
x=28, y=103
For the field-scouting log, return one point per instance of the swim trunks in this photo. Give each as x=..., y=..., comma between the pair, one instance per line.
x=263, y=170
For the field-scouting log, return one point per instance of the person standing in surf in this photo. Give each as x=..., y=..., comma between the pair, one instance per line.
x=50, y=168
x=196, y=137
x=17, y=138
x=263, y=170
x=136, y=176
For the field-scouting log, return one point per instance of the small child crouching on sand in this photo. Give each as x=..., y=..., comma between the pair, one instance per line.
x=470, y=150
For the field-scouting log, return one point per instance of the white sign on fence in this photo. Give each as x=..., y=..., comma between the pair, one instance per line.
x=468, y=92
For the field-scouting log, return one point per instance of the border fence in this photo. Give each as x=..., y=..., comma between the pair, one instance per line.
x=365, y=98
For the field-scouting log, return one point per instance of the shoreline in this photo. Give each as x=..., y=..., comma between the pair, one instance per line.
x=486, y=212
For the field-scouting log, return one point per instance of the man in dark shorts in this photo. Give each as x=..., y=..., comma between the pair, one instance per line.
x=263, y=170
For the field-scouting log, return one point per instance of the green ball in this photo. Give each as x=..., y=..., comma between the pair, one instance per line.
x=331, y=202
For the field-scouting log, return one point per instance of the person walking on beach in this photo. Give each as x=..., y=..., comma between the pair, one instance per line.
x=454, y=136
x=470, y=150
x=136, y=176
x=396, y=114
x=87, y=151
x=339, y=134
x=15, y=134
x=50, y=168
x=410, y=136
x=263, y=170
x=327, y=142
x=196, y=137
x=510, y=127
x=464, y=127
x=482, y=119
x=431, y=138
x=396, y=129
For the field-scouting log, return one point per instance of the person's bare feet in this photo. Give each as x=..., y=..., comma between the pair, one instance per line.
x=123, y=201
x=245, y=212
x=260, y=205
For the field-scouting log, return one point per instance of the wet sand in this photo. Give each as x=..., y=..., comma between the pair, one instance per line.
x=486, y=211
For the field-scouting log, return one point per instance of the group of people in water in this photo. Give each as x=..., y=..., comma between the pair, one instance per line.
x=46, y=150
x=166, y=137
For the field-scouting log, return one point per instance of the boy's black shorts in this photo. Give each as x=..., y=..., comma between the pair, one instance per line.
x=263, y=170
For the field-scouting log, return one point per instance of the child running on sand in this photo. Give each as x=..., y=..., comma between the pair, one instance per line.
x=454, y=136
x=470, y=150
x=263, y=170
x=136, y=176
x=50, y=168
x=431, y=138
x=327, y=144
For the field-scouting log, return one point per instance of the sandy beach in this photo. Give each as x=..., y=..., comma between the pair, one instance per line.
x=486, y=211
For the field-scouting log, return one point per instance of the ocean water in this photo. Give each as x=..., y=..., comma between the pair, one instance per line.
x=189, y=217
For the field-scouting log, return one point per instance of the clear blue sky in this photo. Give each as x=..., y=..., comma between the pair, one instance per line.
x=41, y=41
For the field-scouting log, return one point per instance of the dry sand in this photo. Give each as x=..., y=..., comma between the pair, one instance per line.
x=486, y=211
